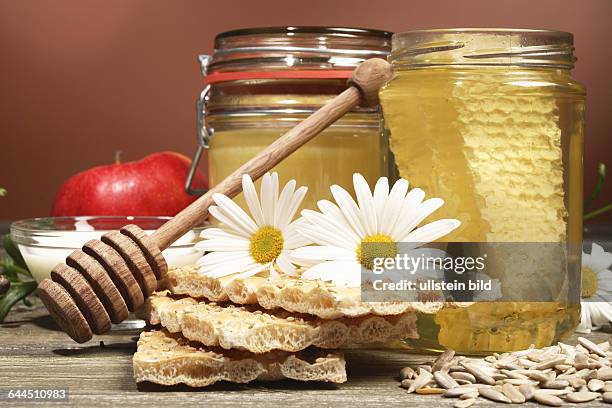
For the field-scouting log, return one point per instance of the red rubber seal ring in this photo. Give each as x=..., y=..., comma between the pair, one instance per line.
x=217, y=77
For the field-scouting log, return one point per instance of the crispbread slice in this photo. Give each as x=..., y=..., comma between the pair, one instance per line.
x=247, y=328
x=317, y=298
x=168, y=359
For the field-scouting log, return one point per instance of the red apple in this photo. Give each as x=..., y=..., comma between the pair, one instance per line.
x=154, y=185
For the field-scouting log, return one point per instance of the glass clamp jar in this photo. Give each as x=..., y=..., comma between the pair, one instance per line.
x=261, y=82
x=491, y=121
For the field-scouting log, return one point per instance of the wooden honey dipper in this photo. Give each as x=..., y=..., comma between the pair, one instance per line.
x=105, y=279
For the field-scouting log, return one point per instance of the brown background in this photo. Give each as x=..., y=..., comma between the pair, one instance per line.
x=80, y=79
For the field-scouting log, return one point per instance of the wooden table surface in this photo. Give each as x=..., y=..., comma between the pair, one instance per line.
x=34, y=353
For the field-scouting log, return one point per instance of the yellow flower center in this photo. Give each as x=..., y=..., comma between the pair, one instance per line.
x=588, y=282
x=376, y=246
x=266, y=244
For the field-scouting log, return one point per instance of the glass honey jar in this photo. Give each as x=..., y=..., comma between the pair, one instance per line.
x=491, y=121
x=261, y=82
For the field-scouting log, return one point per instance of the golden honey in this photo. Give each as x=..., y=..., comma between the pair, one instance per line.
x=352, y=145
x=483, y=121
x=262, y=82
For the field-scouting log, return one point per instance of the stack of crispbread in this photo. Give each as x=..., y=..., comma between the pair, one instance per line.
x=240, y=330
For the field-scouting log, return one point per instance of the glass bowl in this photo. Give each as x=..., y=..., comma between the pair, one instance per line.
x=46, y=242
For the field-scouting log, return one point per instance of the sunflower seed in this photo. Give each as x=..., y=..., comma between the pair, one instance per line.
x=430, y=391
x=605, y=346
x=513, y=394
x=463, y=376
x=527, y=390
x=563, y=367
x=556, y=385
x=607, y=397
x=470, y=395
x=589, y=345
x=556, y=393
x=538, y=376
x=420, y=381
x=607, y=387
x=493, y=395
x=407, y=373
x=465, y=403
x=547, y=399
x=478, y=373
x=444, y=380
x=582, y=396
x=595, y=385
x=519, y=381
x=443, y=360
x=549, y=363
x=406, y=383
x=577, y=382
x=604, y=373
x=459, y=391
x=514, y=374
x=424, y=367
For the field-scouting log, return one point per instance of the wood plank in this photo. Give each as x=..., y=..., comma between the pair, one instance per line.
x=34, y=353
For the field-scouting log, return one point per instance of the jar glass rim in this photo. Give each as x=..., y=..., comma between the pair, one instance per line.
x=304, y=29
x=483, y=46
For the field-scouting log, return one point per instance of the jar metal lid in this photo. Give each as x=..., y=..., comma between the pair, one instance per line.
x=296, y=49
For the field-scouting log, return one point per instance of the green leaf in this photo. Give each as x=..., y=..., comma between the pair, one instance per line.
x=9, y=271
x=601, y=177
x=17, y=292
x=2, y=192
x=12, y=271
x=597, y=212
x=13, y=251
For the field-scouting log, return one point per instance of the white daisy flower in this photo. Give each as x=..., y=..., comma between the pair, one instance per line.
x=340, y=230
x=247, y=245
x=596, y=309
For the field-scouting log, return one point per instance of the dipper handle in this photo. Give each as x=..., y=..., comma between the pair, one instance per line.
x=100, y=283
x=365, y=82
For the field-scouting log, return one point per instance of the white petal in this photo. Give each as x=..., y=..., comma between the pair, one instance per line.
x=320, y=235
x=285, y=264
x=209, y=233
x=341, y=273
x=416, y=195
x=332, y=211
x=291, y=236
x=321, y=253
x=432, y=231
x=213, y=258
x=253, y=271
x=229, y=223
x=268, y=199
x=367, y=208
x=223, y=244
x=600, y=259
x=349, y=209
x=336, y=231
x=601, y=313
x=381, y=192
x=233, y=211
x=296, y=202
x=227, y=268
x=283, y=204
x=585, y=325
x=392, y=206
x=250, y=196
x=411, y=217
